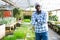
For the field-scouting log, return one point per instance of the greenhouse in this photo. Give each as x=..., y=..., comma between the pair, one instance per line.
x=16, y=15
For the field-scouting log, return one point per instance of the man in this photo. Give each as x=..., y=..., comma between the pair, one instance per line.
x=39, y=21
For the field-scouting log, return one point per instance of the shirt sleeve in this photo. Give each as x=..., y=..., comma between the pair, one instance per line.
x=33, y=22
x=45, y=18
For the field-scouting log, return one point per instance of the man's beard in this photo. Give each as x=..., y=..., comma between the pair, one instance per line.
x=39, y=12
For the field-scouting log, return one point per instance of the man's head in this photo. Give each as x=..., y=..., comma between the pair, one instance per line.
x=38, y=7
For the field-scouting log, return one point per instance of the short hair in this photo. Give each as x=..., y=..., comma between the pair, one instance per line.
x=37, y=5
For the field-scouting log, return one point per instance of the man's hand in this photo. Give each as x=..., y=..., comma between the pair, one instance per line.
x=33, y=28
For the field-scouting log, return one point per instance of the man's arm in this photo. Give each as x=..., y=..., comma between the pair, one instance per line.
x=33, y=22
x=45, y=18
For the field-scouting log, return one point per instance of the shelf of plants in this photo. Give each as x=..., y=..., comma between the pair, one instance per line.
x=22, y=32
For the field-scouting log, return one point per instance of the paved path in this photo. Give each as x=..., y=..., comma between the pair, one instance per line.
x=53, y=35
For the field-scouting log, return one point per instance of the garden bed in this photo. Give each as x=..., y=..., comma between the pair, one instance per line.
x=55, y=26
x=21, y=33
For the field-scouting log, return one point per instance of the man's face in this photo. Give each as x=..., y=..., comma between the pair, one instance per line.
x=38, y=8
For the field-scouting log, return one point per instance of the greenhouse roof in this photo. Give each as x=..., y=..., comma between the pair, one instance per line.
x=5, y=6
x=26, y=4
x=2, y=3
